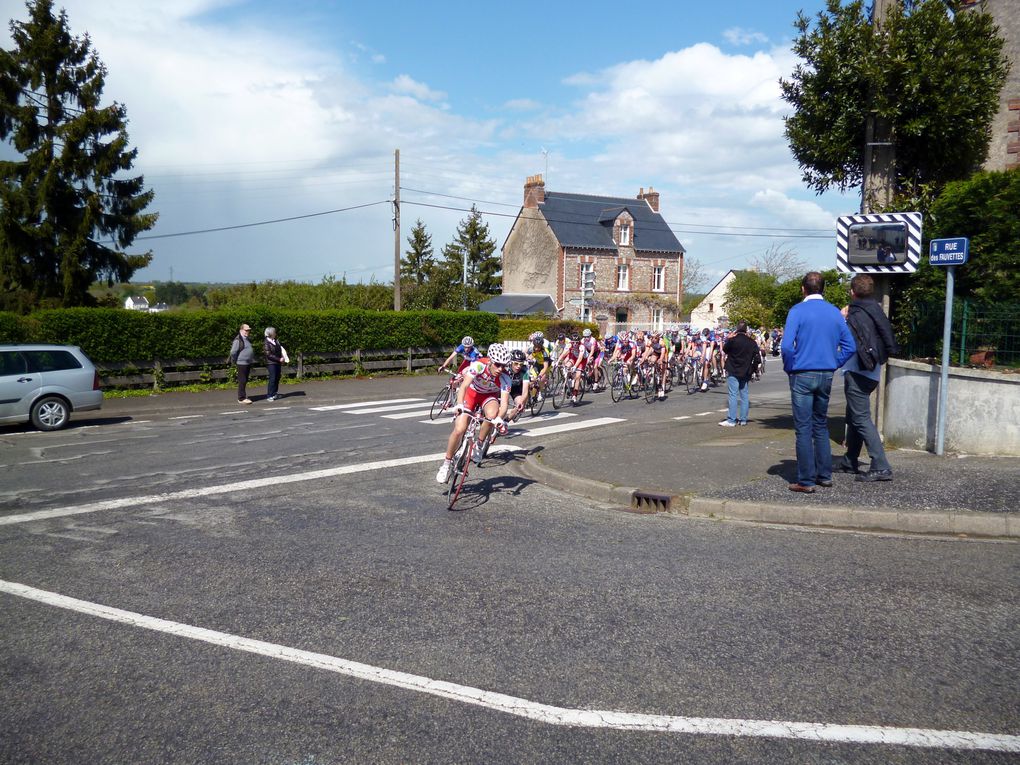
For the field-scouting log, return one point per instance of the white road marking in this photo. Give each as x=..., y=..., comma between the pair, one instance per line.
x=409, y=415
x=186, y=417
x=684, y=417
x=531, y=710
x=572, y=426
x=334, y=407
x=227, y=488
x=703, y=414
x=389, y=408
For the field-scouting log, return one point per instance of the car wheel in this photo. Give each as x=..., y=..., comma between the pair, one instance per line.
x=50, y=413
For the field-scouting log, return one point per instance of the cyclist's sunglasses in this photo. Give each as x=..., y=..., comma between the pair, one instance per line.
x=498, y=365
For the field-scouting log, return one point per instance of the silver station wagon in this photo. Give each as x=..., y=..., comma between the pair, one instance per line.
x=43, y=384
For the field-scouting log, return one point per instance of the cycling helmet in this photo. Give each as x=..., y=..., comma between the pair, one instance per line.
x=587, y=333
x=574, y=338
x=537, y=337
x=656, y=333
x=561, y=336
x=467, y=341
x=517, y=355
x=498, y=354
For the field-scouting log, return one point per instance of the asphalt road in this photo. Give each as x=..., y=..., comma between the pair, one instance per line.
x=393, y=630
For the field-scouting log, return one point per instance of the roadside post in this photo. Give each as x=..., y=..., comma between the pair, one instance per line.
x=952, y=253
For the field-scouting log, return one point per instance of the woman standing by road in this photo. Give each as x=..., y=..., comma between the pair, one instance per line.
x=274, y=362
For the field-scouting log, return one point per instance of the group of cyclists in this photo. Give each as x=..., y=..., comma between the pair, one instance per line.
x=499, y=383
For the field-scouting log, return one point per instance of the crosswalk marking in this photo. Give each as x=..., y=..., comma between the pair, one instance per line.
x=390, y=408
x=333, y=407
x=572, y=426
x=409, y=415
x=684, y=417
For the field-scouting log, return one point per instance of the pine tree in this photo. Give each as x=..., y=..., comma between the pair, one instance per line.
x=418, y=263
x=484, y=266
x=66, y=212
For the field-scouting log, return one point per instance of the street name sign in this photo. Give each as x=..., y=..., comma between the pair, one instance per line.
x=949, y=252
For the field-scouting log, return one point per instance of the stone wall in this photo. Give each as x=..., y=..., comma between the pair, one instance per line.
x=983, y=412
x=533, y=267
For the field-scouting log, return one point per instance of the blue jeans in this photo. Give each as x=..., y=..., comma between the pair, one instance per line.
x=861, y=431
x=809, y=392
x=737, y=390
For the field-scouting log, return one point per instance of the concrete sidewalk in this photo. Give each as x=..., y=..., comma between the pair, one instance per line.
x=694, y=467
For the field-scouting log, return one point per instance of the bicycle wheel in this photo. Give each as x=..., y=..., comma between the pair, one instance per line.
x=460, y=471
x=537, y=397
x=561, y=393
x=442, y=401
x=690, y=377
x=667, y=379
x=651, y=384
x=619, y=384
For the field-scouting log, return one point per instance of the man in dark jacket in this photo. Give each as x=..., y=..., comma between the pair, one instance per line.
x=875, y=342
x=741, y=352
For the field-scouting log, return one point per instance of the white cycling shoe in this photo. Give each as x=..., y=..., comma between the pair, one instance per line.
x=444, y=472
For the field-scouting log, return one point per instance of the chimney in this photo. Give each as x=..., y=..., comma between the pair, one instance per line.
x=534, y=191
x=651, y=197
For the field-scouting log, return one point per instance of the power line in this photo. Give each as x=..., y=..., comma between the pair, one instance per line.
x=263, y=222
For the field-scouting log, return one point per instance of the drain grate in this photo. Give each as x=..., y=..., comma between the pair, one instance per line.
x=650, y=502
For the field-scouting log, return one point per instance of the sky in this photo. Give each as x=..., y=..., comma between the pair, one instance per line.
x=250, y=111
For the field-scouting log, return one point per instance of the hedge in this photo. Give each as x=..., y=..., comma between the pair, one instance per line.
x=116, y=334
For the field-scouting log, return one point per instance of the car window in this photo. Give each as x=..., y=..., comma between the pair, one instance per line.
x=51, y=361
x=12, y=363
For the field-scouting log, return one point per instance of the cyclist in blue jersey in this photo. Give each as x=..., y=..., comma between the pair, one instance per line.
x=467, y=350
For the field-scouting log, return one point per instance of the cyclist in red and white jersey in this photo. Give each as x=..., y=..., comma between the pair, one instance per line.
x=625, y=352
x=594, y=351
x=486, y=386
x=573, y=360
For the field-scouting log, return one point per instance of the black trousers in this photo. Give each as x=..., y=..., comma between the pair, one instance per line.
x=274, y=379
x=861, y=431
x=243, y=370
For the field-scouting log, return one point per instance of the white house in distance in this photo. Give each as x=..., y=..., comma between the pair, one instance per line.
x=712, y=309
x=136, y=304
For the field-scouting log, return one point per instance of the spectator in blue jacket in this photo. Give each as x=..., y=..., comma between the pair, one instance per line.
x=816, y=342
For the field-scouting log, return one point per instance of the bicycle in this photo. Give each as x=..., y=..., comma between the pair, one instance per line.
x=694, y=374
x=564, y=388
x=470, y=445
x=619, y=385
x=446, y=397
x=537, y=393
x=652, y=380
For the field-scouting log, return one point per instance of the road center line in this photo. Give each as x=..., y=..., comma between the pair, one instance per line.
x=255, y=483
x=545, y=713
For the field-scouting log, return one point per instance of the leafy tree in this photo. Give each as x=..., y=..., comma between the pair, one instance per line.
x=172, y=293
x=788, y=294
x=418, y=263
x=982, y=208
x=66, y=215
x=932, y=73
x=749, y=298
x=484, y=266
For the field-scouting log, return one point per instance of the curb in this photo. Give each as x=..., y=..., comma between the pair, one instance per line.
x=1000, y=525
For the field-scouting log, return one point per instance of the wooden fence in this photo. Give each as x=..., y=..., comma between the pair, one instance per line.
x=159, y=373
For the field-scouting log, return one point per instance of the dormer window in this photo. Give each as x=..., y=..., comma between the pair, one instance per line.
x=624, y=234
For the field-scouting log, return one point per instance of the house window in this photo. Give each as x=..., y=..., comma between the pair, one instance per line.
x=623, y=277
x=711, y=306
x=657, y=318
x=621, y=315
x=586, y=314
x=658, y=278
x=586, y=268
x=624, y=234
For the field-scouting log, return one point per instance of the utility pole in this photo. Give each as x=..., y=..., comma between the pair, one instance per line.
x=877, y=190
x=396, y=229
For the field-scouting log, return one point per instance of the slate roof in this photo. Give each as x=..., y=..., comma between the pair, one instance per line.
x=582, y=220
x=519, y=305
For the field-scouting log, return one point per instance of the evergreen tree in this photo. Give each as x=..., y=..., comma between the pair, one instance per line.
x=484, y=266
x=933, y=72
x=418, y=263
x=66, y=214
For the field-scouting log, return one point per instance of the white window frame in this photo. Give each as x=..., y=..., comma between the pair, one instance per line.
x=624, y=234
x=657, y=318
x=658, y=279
x=586, y=268
x=586, y=314
x=623, y=277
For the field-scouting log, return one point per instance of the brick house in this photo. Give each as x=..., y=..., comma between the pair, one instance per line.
x=637, y=260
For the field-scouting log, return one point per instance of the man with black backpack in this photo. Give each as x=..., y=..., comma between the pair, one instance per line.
x=875, y=343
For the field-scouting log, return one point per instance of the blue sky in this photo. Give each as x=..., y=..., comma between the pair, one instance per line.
x=246, y=112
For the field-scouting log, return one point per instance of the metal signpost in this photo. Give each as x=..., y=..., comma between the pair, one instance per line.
x=952, y=253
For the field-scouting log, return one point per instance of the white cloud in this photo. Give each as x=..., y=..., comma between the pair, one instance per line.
x=795, y=212
x=741, y=36
x=407, y=85
x=522, y=105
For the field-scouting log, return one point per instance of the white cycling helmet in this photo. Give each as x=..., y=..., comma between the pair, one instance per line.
x=467, y=341
x=499, y=354
x=586, y=333
x=536, y=336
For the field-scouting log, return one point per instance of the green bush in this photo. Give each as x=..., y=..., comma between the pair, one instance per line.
x=116, y=335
